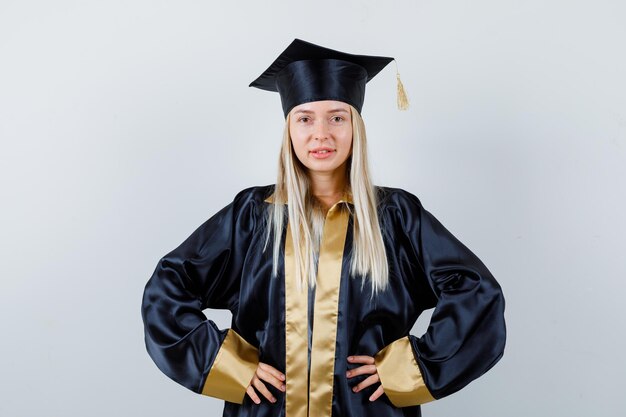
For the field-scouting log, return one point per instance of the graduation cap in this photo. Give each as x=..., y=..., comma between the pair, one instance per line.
x=306, y=72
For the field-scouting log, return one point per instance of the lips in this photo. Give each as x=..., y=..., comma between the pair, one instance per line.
x=322, y=152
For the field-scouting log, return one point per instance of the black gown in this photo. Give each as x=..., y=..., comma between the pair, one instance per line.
x=222, y=265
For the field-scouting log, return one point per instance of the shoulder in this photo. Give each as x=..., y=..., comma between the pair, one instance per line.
x=400, y=207
x=391, y=197
x=250, y=202
x=244, y=210
x=254, y=194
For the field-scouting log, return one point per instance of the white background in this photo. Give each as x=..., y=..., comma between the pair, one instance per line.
x=125, y=124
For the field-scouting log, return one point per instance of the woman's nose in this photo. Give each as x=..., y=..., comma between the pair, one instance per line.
x=321, y=130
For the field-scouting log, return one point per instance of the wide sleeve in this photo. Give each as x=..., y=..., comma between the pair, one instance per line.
x=467, y=333
x=202, y=272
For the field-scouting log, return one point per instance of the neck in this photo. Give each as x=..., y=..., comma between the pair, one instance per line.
x=328, y=187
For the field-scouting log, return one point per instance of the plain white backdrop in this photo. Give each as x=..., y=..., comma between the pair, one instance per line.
x=125, y=124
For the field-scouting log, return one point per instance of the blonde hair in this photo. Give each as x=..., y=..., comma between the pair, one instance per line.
x=306, y=219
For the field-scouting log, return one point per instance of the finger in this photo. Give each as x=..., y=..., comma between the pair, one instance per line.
x=260, y=386
x=361, y=370
x=361, y=359
x=268, y=377
x=372, y=379
x=252, y=394
x=379, y=391
x=272, y=370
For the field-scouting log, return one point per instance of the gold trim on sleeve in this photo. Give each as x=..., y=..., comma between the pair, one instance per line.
x=233, y=369
x=400, y=374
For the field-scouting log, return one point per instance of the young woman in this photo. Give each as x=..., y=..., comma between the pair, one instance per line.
x=324, y=273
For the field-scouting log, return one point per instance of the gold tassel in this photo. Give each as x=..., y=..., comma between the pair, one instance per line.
x=403, y=99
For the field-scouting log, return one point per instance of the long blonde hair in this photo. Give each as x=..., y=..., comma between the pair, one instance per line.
x=306, y=219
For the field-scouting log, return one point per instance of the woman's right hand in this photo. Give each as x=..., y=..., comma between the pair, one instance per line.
x=267, y=373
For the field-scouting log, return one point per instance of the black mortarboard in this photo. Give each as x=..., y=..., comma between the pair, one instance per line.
x=306, y=72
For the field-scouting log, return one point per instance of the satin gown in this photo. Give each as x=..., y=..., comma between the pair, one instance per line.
x=308, y=336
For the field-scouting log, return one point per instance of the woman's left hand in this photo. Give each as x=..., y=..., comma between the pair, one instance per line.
x=368, y=369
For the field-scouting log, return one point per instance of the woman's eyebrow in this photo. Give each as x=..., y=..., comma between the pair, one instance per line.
x=338, y=111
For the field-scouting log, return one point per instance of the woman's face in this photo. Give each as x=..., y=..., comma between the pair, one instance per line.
x=321, y=134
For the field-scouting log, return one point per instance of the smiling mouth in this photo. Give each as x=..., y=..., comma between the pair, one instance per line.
x=322, y=153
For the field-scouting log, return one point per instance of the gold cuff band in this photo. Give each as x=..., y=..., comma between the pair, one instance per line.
x=400, y=374
x=233, y=369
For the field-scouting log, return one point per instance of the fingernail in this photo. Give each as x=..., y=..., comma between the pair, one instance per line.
x=273, y=399
x=350, y=358
x=371, y=399
x=348, y=373
x=282, y=377
x=282, y=387
x=354, y=389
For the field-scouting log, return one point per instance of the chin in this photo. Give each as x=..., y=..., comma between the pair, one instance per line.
x=323, y=169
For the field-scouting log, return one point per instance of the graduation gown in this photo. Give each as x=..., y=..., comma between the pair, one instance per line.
x=222, y=265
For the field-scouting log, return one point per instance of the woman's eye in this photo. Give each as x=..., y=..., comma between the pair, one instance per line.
x=337, y=119
x=304, y=119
